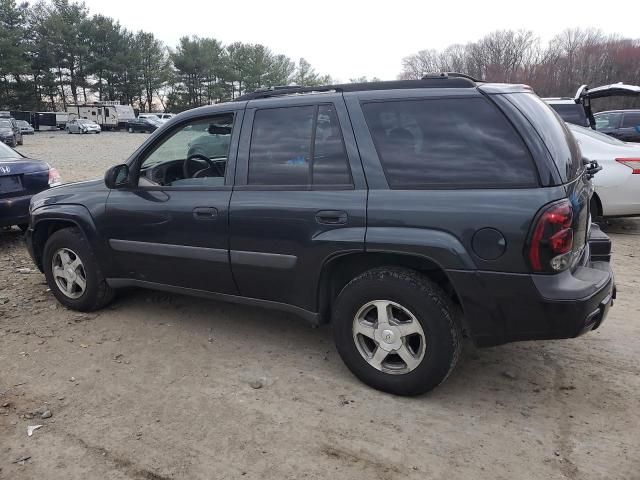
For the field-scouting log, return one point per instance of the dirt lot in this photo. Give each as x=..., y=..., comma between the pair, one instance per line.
x=160, y=386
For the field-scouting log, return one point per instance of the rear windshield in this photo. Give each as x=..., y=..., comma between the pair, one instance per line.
x=8, y=152
x=553, y=131
x=571, y=113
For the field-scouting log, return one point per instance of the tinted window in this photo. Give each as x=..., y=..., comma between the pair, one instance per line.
x=330, y=166
x=281, y=147
x=607, y=120
x=631, y=119
x=555, y=134
x=572, y=113
x=448, y=142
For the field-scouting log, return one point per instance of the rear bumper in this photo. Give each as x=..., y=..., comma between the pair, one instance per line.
x=507, y=307
x=14, y=210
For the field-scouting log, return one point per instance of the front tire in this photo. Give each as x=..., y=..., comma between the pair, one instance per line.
x=72, y=272
x=395, y=330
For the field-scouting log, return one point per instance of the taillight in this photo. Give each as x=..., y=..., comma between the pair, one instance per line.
x=551, y=241
x=54, y=177
x=632, y=163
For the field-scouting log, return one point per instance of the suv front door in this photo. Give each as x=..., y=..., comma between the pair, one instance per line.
x=299, y=198
x=171, y=226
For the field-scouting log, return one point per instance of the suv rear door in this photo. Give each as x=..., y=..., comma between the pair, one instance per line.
x=299, y=197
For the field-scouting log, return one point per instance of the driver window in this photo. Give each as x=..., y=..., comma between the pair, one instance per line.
x=194, y=155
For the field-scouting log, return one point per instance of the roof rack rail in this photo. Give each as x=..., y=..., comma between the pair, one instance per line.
x=451, y=75
x=282, y=90
x=441, y=80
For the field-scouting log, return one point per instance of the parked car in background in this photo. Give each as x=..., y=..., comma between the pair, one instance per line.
x=20, y=179
x=621, y=124
x=10, y=132
x=404, y=212
x=165, y=116
x=617, y=186
x=25, y=128
x=144, y=124
x=578, y=111
x=80, y=125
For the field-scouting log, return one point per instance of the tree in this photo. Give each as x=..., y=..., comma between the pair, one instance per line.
x=306, y=76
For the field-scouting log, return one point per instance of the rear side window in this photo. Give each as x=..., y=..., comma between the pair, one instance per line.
x=448, y=142
x=553, y=131
x=607, y=120
x=298, y=146
x=631, y=120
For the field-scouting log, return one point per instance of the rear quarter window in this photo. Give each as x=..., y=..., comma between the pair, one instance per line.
x=448, y=143
x=554, y=133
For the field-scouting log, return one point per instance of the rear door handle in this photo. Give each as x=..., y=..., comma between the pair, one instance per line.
x=205, y=213
x=331, y=217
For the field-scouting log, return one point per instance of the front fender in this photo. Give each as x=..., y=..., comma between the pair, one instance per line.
x=45, y=220
x=440, y=247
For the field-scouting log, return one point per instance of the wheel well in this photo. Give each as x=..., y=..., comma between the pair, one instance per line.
x=338, y=272
x=41, y=234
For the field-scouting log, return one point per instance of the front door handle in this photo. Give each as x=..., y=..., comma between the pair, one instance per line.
x=331, y=217
x=205, y=213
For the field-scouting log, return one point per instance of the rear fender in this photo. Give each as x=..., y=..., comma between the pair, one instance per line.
x=440, y=247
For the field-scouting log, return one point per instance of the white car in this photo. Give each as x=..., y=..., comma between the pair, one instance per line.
x=617, y=185
x=82, y=125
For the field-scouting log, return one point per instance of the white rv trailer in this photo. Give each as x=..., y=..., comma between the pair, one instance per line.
x=109, y=115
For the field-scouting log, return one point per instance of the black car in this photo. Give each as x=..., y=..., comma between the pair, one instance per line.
x=144, y=124
x=621, y=124
x=10, y=132
x=20, y=179
x=406, y=213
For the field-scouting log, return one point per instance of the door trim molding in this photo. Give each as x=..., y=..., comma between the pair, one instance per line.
x=218, y=255
x=263, y=259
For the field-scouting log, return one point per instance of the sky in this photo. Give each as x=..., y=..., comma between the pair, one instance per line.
x=349, y=39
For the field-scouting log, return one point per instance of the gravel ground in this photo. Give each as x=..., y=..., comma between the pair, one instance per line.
x=161, y=386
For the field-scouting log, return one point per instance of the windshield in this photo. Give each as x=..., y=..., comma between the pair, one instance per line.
x=153, y=120
x=22, y=123
x=85, y=122
x=8, y=152
x=5, y=124
x=601, y=137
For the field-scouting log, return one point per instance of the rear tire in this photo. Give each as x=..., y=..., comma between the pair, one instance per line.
x=96, y=293
x=407, y=297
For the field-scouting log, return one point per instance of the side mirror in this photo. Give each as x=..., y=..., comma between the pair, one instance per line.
x=117, y=176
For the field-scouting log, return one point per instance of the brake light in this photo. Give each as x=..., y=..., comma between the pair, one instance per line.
x=632, y=163
x=551, y=242
x=54, y=177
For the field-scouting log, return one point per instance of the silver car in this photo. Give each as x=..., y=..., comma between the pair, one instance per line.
x=81, y=125
x=25, y=128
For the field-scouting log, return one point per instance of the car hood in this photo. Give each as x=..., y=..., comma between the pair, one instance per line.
x=76, y=192
x=5, y=131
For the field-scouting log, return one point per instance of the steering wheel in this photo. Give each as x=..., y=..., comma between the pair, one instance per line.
x=197, y=156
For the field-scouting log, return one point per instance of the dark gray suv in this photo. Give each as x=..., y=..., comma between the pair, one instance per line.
x=407, y=214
